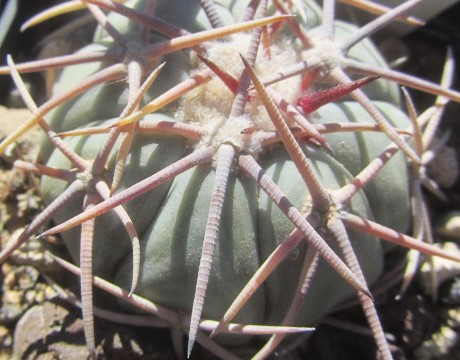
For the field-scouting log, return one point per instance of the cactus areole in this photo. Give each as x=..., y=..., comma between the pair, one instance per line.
x=172, y=219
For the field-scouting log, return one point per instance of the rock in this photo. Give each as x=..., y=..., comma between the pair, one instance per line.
x=449, y=226
x=17, y=282
x=444, y=269
x=5, y=337
x=49, y=331
x=440, y=344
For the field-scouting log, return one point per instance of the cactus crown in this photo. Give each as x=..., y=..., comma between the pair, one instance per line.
x=241, y=164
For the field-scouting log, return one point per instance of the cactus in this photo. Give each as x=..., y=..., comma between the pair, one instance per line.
x=241, y=176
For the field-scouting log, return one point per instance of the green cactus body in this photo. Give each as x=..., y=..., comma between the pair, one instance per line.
x=171, y=219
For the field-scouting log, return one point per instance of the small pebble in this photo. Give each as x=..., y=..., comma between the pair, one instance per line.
x=445, y=269
x=449, y=292
x=440, y=344
x=12, y=297
x=449, y=226
x=21, y=289
x=452, y=317
x=5, y=336
x=32, y=252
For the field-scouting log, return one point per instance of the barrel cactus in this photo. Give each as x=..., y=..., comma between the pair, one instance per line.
x=240, y=176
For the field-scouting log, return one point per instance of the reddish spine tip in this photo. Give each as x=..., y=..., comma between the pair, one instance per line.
x=314, y=101
x=228, y=80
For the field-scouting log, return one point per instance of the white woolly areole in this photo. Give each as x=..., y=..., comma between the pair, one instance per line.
x=234, y=132
x=325, y=53
x=209, y=105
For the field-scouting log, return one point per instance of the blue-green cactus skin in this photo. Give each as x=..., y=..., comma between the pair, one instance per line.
x=171, y=219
